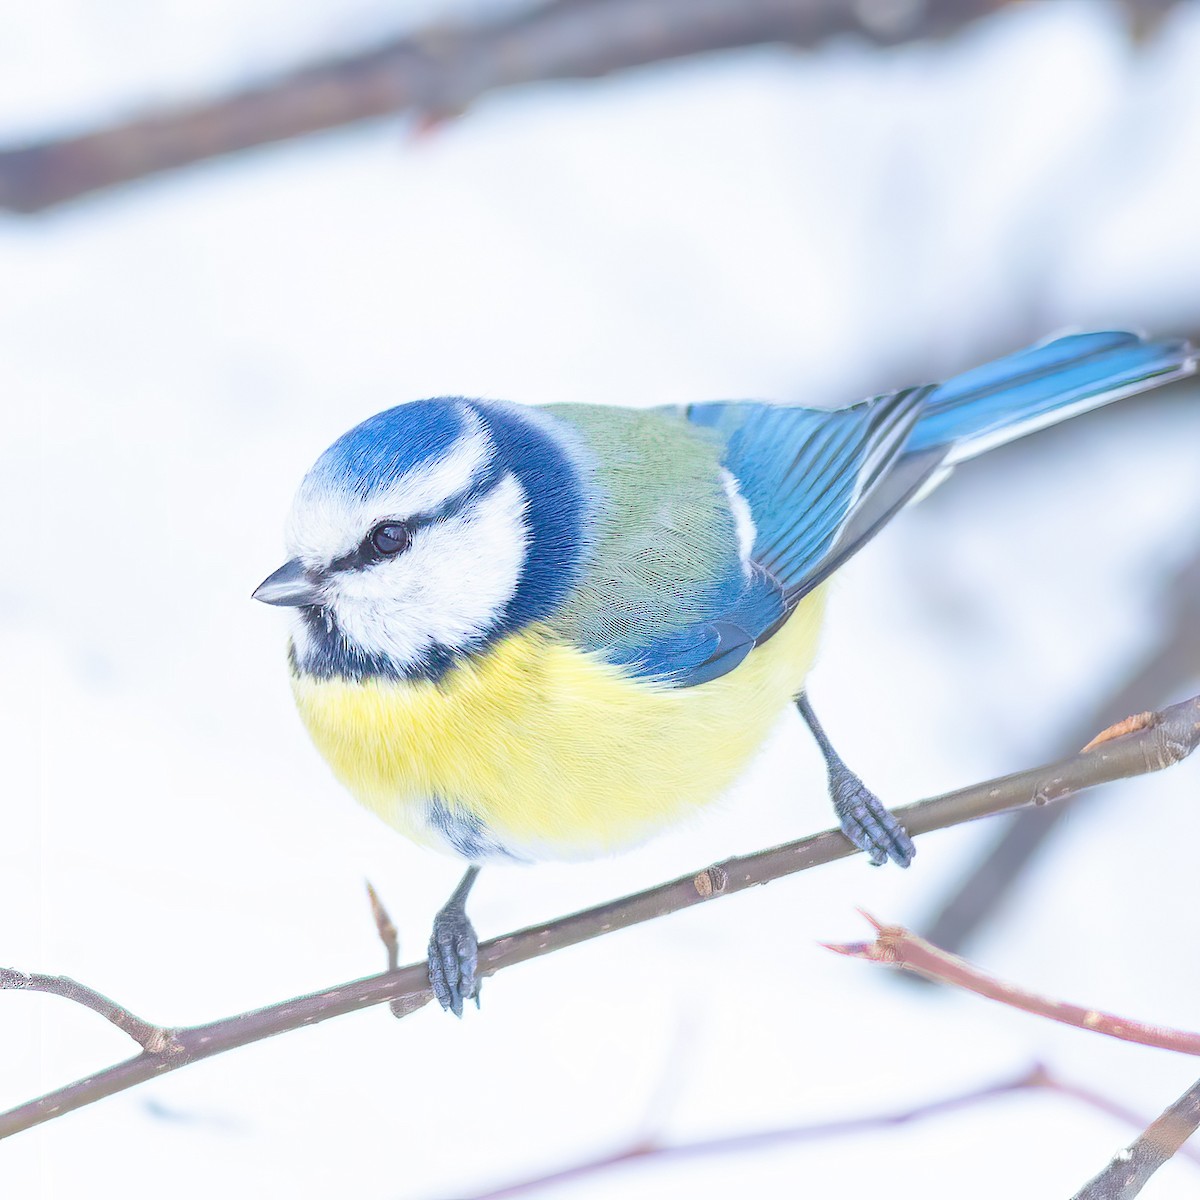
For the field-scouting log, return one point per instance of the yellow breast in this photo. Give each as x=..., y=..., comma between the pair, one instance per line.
x=544, y=751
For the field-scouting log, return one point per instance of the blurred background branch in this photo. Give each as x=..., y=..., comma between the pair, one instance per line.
x=651, y=1148
x=439, y=71
x=1170, y=664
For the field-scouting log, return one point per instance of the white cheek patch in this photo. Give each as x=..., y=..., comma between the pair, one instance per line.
x=447, y=589
x=328, y=522
x=743, y=521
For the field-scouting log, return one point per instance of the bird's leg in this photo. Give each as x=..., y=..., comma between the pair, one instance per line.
x=454, y=950
x=861, y=814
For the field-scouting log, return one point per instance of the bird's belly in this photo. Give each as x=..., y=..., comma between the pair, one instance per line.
x=536, y=750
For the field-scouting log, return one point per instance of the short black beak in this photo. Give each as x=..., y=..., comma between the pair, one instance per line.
x=291, y=585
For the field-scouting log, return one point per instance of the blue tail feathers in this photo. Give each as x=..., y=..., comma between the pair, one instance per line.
x=820, y=483
x=1040, y=386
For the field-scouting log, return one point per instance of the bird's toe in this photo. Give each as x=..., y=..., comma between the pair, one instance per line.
x=866, y=821
x=454, y=960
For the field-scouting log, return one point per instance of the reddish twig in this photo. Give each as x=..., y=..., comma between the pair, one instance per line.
x=1131, y=1168
x=899, y=947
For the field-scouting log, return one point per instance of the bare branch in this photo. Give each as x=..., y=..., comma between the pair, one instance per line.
x=439, y=71
x=1131, y=1168
x=1168, y=738
x=899, y=947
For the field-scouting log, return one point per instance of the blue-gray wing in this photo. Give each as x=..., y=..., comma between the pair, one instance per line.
x=802, y=475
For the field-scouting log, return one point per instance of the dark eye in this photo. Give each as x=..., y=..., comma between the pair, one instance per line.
x=390, y=538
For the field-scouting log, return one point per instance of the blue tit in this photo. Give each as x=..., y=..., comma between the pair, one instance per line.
x=547, y=633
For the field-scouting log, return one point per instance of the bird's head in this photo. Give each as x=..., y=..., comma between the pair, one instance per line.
x=426, y=532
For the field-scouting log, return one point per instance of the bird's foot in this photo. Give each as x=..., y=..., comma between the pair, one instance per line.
x=866, y=821
x=454, y=959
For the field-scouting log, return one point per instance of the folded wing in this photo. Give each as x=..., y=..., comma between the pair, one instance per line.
x=817, y=485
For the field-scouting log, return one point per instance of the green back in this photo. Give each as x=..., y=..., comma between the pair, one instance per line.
x=663, y=533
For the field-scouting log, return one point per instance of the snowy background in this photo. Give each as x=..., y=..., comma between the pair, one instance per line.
x=766, y=223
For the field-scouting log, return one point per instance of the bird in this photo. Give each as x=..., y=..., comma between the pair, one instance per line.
x=528, y=633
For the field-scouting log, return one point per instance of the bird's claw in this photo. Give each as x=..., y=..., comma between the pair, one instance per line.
x=867, y=822
x=454, y=959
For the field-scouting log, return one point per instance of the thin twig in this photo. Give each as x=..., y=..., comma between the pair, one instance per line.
x=1171, y=737
x=385, y=927
x=154, y=1039
x=1131, y=1168
x=899, y=947
x=439, y=71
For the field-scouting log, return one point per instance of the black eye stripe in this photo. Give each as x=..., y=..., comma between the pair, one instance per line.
x=367, y=553
x=388, y=539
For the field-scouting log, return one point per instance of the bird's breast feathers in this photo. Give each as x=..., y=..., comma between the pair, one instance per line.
x=536, y=749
